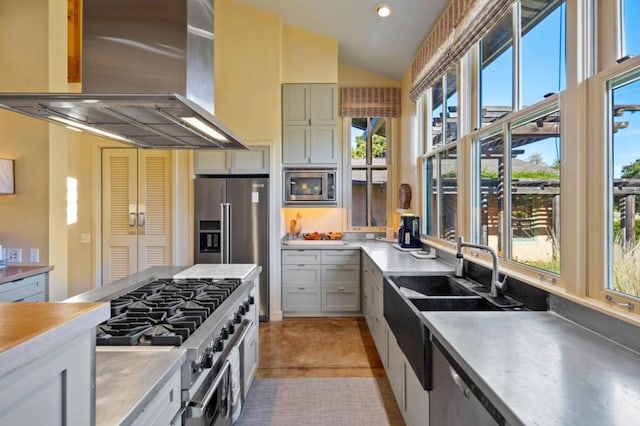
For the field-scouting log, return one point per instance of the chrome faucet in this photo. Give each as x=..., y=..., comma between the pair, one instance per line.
x=497, y=286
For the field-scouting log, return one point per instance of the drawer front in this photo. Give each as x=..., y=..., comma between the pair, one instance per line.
x=301, y=299
x=301, y=275
x=341, y=257
x=299, y=257
x=341, y=299
x=340, y=275
x=28, y=289
x=164, y=406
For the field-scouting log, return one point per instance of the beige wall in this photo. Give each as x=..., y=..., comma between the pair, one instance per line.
x=308, y=57
x=350, y=76
x=24, y=220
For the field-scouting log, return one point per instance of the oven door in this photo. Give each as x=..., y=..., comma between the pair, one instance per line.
x=214, y=409
x=211, y=405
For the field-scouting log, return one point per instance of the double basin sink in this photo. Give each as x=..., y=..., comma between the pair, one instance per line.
x=405, y=297
x=446, y=293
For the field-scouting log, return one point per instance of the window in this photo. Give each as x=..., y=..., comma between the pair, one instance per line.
x=441, y=200
x=542, y=49
x=369, y=150
x=448, y=172
x=630, y=33
x=496, y=71
x=444, y=109
x=624, y=184
x=488, y=191
x=540, y=39
x=535, y=191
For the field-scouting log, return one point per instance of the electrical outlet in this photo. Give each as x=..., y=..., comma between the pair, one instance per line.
x=34, y=255
x=370, y=236
x=14, y=255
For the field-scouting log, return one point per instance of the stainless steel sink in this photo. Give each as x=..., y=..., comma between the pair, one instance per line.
x=430, y=285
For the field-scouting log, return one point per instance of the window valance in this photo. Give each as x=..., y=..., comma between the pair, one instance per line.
x=370, y=102
x=462, y=24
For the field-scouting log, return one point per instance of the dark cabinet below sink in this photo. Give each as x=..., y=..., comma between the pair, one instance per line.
x=411, y=334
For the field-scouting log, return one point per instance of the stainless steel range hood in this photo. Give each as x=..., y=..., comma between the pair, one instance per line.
x=147, y=77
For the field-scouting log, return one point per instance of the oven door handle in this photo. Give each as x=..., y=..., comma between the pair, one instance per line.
x=212, y=389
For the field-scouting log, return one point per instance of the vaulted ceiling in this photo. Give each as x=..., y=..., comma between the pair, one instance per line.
x=382, y=46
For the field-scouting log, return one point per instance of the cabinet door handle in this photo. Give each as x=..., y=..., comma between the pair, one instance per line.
x=141, y=219
x=460, y=383
x=132, y=219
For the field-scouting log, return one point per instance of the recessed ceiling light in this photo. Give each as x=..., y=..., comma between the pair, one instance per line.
x=383, y=10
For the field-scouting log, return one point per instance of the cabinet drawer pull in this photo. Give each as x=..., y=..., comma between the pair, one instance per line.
x=340, y=288
x=461, y=385
x=301, y=264
x=301, y=288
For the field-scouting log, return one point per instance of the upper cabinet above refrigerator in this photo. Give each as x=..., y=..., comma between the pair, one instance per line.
x=310, y=124
x=254, y=161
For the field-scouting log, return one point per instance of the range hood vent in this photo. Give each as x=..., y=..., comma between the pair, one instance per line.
x=147, y=77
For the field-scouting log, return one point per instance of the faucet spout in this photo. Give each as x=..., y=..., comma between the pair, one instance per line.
x=497, y=286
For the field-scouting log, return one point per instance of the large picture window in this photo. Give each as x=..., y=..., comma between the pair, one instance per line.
x=369, y=149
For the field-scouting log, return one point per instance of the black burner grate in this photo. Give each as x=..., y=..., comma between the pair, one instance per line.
x=163, y=312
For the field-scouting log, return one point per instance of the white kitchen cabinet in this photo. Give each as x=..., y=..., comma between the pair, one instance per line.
x=310, y=124
x=375, y=309
x=55, y=389
x=164, y=406
x=250, y=357
x=412, y=399
x=320, y=281
x=255, y=160
x=29, y=289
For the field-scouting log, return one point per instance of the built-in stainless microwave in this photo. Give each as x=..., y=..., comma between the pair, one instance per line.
x=310, y=186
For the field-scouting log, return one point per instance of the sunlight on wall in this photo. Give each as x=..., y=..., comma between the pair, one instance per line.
x=72, y=200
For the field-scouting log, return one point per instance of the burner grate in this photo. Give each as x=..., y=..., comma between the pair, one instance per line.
x=163, y=312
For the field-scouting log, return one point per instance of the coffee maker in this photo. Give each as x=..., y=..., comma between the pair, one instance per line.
x=409, y=232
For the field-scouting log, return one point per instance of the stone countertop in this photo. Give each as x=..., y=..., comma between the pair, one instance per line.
x=538, y=368
x=13, y=273
x=127, y=380
x=31, y=330
x=390, y=260
x=232, y=270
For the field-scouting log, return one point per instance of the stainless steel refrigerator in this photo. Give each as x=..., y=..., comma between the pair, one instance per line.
x=232, y=225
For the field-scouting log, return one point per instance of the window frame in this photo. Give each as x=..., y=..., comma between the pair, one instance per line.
x=599, y=144
x=348, y=167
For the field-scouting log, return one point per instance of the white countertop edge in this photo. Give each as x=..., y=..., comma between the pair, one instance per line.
x=211, y=270
x=49, y=340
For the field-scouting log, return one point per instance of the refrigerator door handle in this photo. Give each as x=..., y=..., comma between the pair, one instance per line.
x=225, y=231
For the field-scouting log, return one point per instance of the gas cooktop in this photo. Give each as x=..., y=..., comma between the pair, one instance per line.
x=163, y=312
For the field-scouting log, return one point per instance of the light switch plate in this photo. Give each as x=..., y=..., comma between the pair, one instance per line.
x=85, y=238
x=34, y=255
x=371, y=236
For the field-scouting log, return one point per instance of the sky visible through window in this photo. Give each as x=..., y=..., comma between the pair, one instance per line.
x=544, y=71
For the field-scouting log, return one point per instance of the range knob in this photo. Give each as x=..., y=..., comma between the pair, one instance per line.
x=246, y=306
x=218, y=345
x=224, y=333
x=207, y=362
x=238, y=318
x=231, y=327
x=251, y=300
x=242, y=310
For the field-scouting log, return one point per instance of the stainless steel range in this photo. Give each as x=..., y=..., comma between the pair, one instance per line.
x=208, y=317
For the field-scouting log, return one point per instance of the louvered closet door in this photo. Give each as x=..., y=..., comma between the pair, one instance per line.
x=136, y=205
x=153, y=209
